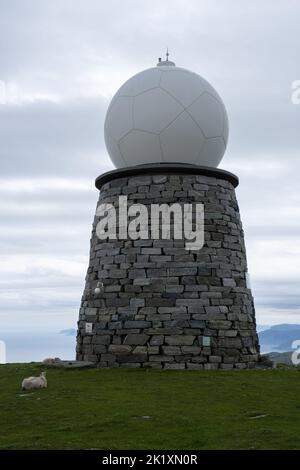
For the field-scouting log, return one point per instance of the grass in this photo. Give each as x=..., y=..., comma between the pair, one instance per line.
x=150, y=409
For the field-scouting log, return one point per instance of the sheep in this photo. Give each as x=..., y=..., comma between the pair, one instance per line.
x=31, y=383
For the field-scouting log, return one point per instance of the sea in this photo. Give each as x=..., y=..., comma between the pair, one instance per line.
x=22, y=346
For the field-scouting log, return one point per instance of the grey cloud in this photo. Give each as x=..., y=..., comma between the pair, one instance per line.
x=282, y=295
x=53, y=139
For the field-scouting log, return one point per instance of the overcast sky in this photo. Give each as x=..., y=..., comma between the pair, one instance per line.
x=61, y=61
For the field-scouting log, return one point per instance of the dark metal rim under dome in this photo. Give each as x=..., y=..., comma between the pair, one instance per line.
x=166, y=168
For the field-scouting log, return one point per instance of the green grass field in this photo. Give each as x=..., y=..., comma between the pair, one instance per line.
x=150, y=409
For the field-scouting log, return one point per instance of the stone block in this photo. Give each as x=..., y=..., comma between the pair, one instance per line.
x=174, y=366
x=173, y=310
x=140, y=350
x=128, y=358
x=180, y=340
x=102, y=339
x=194, y=350
x=211, y=366
x=114, y=325
x=174, y=289
x=137, y=302
x=226, y=366
x=136, y=273
x=159, y=302
x=148, y=310
x=234, y=343
x=192, y=303
x=171, y=350
x=229, y=282
x=157, y=340
x=159, y=179
x=164, y=331
x=99, y=348
x=137, y=324
x=119, y=349
x=219, y=324
x=141, y=281
x=131, y=365
x=215, y=359
x=117, y=273
x=159, y=272
x=152, y=365
x=161, y=358
x=139, y=181
x=108, y=357
x=136, y=339
x=151, y=251
x=193, y=366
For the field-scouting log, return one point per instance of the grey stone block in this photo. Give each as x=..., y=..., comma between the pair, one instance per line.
x=102, y=339
x=215, y=359
x=219, y=324
x=194, y=350
x=131, y=365
x=136, y=339
x=181, y=310
x=99, y=348
x=159, y=179
x=119, y=349
x=193, y=366
x=173, y=366
x=132, y=358
x=180, y=340
x=234, y=343
x=136, y=273
x=140, y=180
x=152, y=365
x=171, y=350
x=228, y=282
x=151, y=251
x=137, y=324
x=211, y=366
x=137, y=302
x=161, y=358
x=164, y=331
x=157, y=340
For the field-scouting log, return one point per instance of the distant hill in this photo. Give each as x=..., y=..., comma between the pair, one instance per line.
x=279, y=337
x=281, y=357
x=260, y=328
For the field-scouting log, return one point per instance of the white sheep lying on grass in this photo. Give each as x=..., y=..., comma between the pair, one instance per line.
x=31, y=383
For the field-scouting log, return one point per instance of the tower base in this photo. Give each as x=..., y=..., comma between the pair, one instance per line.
x=163, y=306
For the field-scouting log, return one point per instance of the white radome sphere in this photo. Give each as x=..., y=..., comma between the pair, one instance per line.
x=166, y=114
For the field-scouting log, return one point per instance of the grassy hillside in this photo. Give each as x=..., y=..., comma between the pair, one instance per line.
x=150, y=409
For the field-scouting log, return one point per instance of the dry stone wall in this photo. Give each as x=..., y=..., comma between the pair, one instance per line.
x=163, y=306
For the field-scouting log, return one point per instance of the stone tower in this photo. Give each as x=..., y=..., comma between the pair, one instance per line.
x=163, y=306
x=149, y=301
